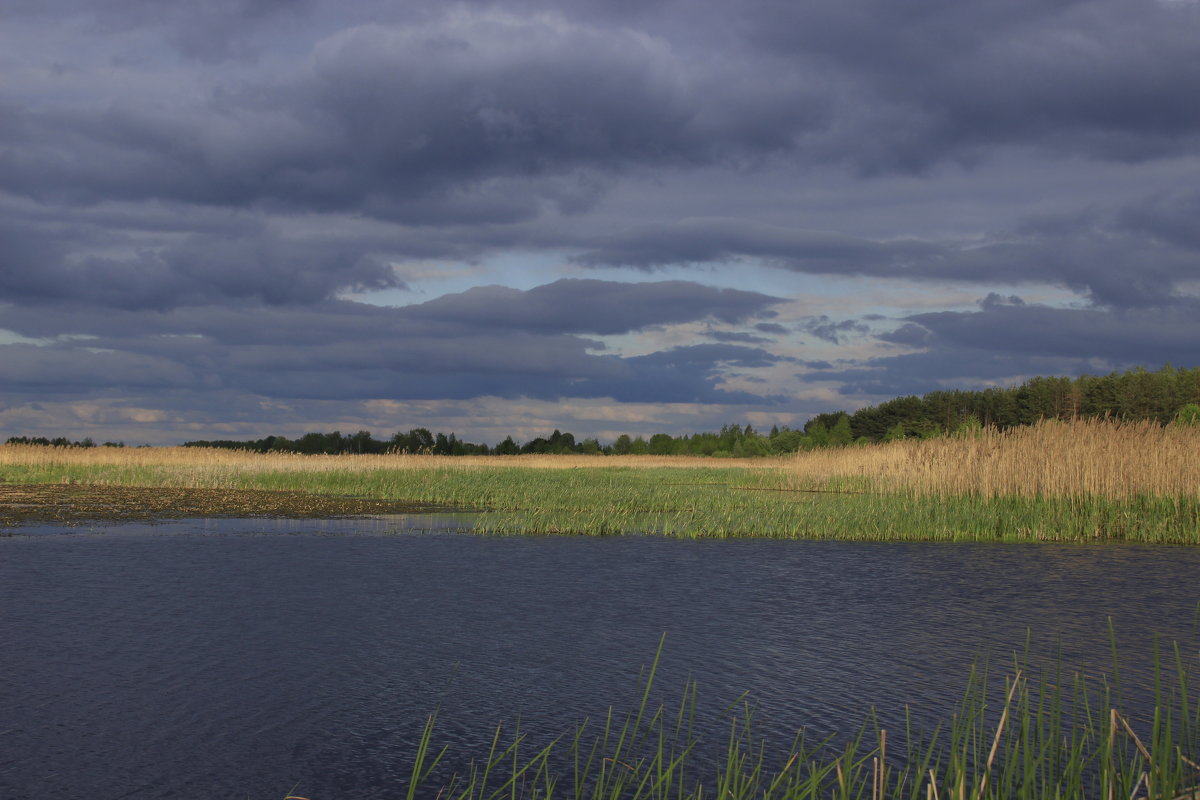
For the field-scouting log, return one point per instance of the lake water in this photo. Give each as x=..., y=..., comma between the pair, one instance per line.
x=240, y=658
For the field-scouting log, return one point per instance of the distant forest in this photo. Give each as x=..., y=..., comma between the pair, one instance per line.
x=1137, y=394
x=1166, y=395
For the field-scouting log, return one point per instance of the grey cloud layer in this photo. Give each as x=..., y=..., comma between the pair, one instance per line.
x=1126, y=337
x=476, y=343
x=41, y=266
x=1103, y=78
x=196, y=187
x=1007, y=339
x=592, y=306
x=382, y=115
x=730, y=239
x=1136, y=255
x=491, y=116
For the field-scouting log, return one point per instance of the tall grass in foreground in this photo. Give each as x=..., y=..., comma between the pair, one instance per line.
x=1051, y=737
x=1078, y=481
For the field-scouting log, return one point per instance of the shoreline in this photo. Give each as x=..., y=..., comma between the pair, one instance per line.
x=76, y=503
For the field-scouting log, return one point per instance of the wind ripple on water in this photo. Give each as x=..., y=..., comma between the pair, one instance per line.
x=184, y=661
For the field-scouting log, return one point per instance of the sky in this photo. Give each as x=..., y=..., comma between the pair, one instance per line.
x=241, y=218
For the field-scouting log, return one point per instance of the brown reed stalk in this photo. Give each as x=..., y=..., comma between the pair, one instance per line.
x=1088, y=457
x=987, y=771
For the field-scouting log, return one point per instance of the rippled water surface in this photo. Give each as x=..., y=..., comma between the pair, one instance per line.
x=241, y=658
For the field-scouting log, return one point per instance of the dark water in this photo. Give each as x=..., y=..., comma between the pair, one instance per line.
x=237, y=659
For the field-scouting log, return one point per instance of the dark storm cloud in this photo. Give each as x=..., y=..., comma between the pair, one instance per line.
x=594, y=306
x=725, y=239
x=1135, y=255
x=567, y=306
x=42, y=267
x=736, y=337
x=204, y=31
x=832, y=331
x=1169, y=218
x=193, y=326
x=398, y=120
x=187, y=190
x=709, y=354
x=509, y=367
x=773, y=328
x=995, y=300
x=483, y=118
x=1008, y=341
x=691, y=374
x=880, y=379
x=1115, y=260
x=421, y=110
x=1101, y=78
x=78, y=368
x=496, y=94
x=1129, y=336
x=909, y=334
x=486, y=341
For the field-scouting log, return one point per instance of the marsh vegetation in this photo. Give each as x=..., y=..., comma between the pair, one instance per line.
x=1042, y=734
x=1083, y=480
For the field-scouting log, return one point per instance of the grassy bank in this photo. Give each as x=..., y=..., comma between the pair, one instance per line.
x=1086, y=481
x=1040, y=735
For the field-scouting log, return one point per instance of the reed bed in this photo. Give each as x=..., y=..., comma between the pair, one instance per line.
x=1080, y=458
x=1040, y=735
x=200, y=463
x=1057, y=481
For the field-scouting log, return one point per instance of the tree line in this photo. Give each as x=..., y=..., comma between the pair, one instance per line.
x=59, y=441
x=1163, y=396
x=1136, y=394
x=730, y=441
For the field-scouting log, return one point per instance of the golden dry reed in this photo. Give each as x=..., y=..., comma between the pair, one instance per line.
x=194, y=457
x=200, y=467
x=1095, y=457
